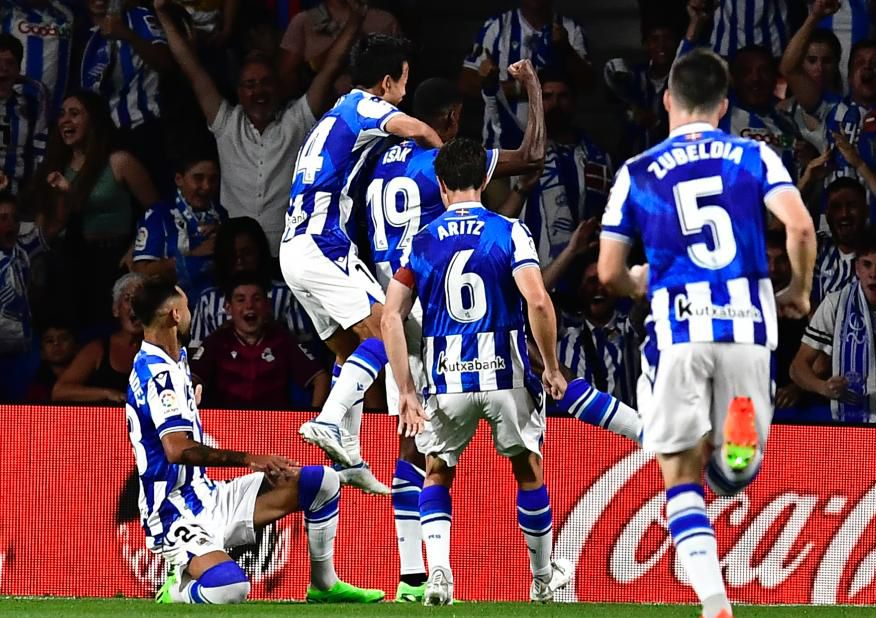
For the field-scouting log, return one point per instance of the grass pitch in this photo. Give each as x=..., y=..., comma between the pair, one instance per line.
x=10, y=607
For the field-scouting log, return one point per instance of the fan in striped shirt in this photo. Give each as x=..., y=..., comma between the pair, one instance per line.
x=846, y=215
x=739, y=23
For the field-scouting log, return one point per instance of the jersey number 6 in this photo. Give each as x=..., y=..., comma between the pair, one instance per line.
x=464, y=292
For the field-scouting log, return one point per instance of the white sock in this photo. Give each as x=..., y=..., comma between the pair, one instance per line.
x=695, y=544
x=435, y=517
x=536, y=522
x=594, y=407
x=357, y=375
x=319, y=493
x=407, y=485
x=352, y=422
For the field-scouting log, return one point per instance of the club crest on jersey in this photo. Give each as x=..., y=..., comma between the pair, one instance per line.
x=687, y=309
x=497, y=363
x=268, y=356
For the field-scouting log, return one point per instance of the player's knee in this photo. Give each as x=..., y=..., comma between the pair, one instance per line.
x=318, y=489
x=224, y=584
x=725, y=481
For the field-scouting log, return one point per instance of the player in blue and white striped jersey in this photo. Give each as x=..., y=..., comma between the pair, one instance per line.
x=45, y=29
x=472, y=269
x=23, y=118
x=740, y=23
x=188, y=518
x=124, y=62
x=534, y=32
x=696, y=201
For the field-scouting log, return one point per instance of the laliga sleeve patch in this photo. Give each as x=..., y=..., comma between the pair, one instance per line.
x=168, y=400
x=142, y=238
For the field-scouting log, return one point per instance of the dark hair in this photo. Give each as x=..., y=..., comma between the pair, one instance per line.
x=776, y=238
x=648, y=26
x=434, y=98
x=375, y=56
x=193, y=153
x=98, y=147
x=255, y=57
x=245, y=277
x=699, y=80
x=753, y=50
x=860, y=45
x=7, y=197
x=842, y=183
x=867, y=242
x=11, y=44
x=823, y=35
x=150, y=297
x=555, y=73
x=461, y=164
x=57, y=322
x=223, y=252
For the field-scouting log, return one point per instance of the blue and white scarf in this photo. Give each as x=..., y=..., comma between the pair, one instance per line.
x=853, y=355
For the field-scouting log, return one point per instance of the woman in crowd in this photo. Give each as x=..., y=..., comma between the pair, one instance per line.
x=91, y=190
x=99, y=373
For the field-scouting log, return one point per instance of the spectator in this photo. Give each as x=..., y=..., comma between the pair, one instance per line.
x=752, y=113
x=57, y=349
x=258, y=138
x=176, y=241
x=574, y=183
x=846, y=215
x=23, y=118
x=312, y=33
x=603, y=347
x=850, y=21
x=252, y=363
x=811, y=66
x=89, y=191
x=240, y=246
x=99, y=373
x=532, y=31
x=841, y=337
x=122, y=60
x=214, y=20
x=45, y=29
x=16, y=251
x=788, y=394
x=742, y=23
x=640, y=87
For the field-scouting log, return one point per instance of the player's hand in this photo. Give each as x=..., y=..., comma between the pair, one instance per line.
x=523, y=71
x=823, y=8
x=698, y=10
x=788, y=396
x=57, y=181
x=271, y=465
x=4, y=181
x=583, y=236
x=199, y=393
x=640, y=274
x=849, y=152
x=411, y=417
x=554, y=383
x=792, y=303
x=834, y=387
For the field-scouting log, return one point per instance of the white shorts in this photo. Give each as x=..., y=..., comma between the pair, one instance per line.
x=334, y=294
x=688, y=393
x=414, y=337
x=516, y=419
x=228, y=524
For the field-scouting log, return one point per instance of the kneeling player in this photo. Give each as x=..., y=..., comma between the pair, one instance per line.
x=188, y=518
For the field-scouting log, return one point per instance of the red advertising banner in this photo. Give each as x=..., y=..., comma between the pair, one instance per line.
x=804, y=532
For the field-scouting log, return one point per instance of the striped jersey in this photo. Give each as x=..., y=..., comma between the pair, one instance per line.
x=47, y=36
x=739, y=23
x=209, y=314
x=851, y=23
x=23, y=131
x=174, y=231
x=161, y=400
x=507, y=38
x=461, y=267
x=320, y=202
x=858, y=124
x=15, y=317
x=775, y=130
x=833, y=268
x=635, y=87
x=115, y=70
x=697, y=202
x=573, y=187
x=402, y=197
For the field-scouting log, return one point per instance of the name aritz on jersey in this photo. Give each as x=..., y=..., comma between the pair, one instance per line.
x=455, y=228
x=492, y=364
x=686, y=309
x=695, y=152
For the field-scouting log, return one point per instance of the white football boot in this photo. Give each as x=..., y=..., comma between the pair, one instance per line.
x=542, y=591
x=328, y=437
x=439, y=587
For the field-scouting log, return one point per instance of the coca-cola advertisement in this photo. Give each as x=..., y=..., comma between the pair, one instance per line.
x=803, y=532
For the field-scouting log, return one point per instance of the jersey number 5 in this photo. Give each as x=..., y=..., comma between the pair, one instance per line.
x=465, y=294
x=694, y=218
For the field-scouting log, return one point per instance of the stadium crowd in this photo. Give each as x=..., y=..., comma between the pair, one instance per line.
x=157, y=139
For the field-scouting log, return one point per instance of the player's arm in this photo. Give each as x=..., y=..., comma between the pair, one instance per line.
x=399, y=300
x=531, y=151
x=804, y=88
x=402, y=125
x=205, y=90
x=543, y=323
x=320, y=95
x=614, y=273
x=179, y=448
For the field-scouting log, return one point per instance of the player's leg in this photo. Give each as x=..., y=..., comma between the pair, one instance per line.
x=675, y=393
x=518, y=422
x=742, y=412
x=599, y=409
x=407, y=485
x=316, y=491
x=213, y=577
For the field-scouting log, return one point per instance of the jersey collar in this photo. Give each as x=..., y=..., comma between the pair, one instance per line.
x=692, y=127
x=151, y=348
x=464, y=205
